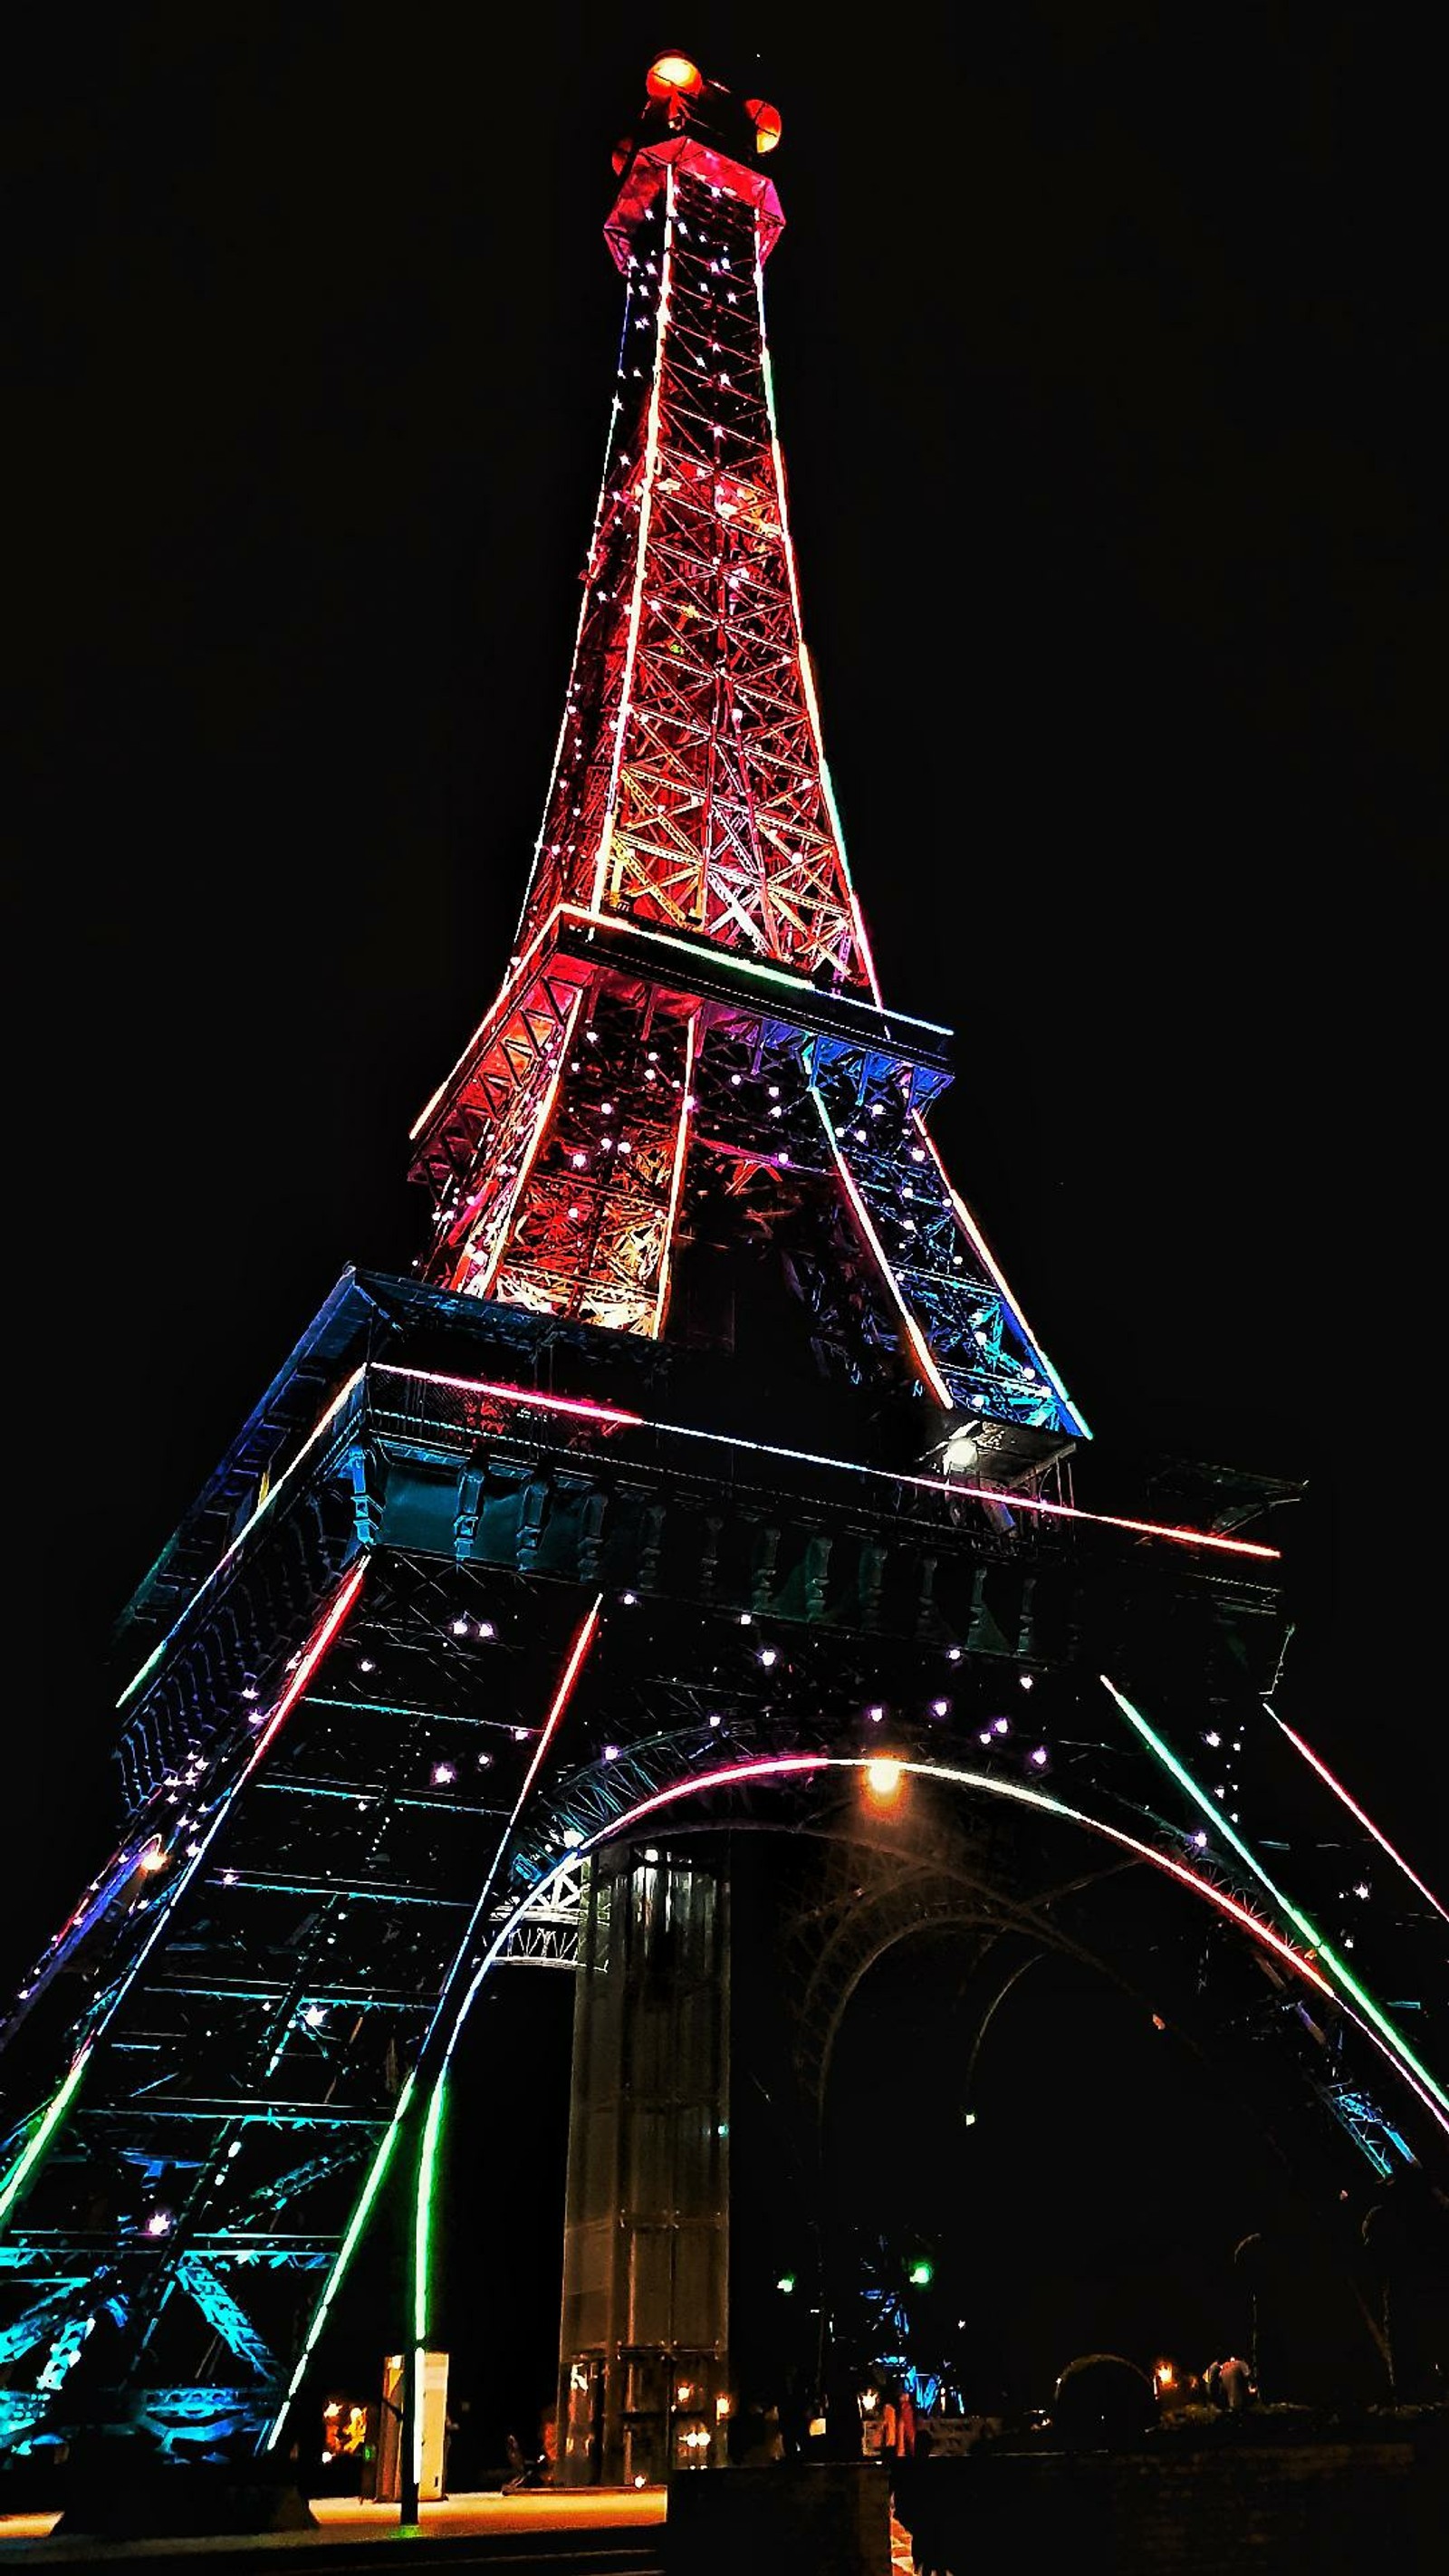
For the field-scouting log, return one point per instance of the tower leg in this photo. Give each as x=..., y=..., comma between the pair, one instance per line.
x=643, y=2358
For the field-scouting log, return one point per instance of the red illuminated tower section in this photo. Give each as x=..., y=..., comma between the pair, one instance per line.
x=690, y=1044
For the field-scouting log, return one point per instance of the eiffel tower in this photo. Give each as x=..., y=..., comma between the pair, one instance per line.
x=708, y=1468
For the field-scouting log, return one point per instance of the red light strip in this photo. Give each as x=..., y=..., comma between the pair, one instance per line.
x=646, y=510
x=768, y=1766
x=686, y=1104
x=582, y=1642
x=531, y=1397
x=843, y=1466
x=1321, y=1767
x=807, y=677
x=307, y=1663
x=265, y=1505
x=479, y=1286
x=615, y=409
x=578, y=1654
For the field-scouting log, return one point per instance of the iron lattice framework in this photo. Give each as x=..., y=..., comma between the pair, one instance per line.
x=693, y=1011
x=511, y=1558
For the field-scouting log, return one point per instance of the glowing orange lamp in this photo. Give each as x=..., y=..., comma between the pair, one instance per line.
x=673, y=76
x=766, y=122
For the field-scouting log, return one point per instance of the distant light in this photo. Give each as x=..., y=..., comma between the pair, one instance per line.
x=314, y=2016
x=651, y=1855
x=968, y=2121
x=875, y=1713
x=611, y=1753
x=768, y=1656
x=1199, y=1840
x=460, y=1627
x=155, y=1858
x=160, y=2223
x=572, y=1838
x=486, y=1628
x=1001, y=1726
x=1362, y=1890
x=883, y=1777
x=1025, y=1680
x=1212, y=1737
x=940, y=1708
x=365, y=1664
x=443, y=1774
x=1039, y=1757
x=986, y=1735
x=786, y=2282
x=629, y=1599
x=953, y=1654
x=922, y=2273
x=716, y=1719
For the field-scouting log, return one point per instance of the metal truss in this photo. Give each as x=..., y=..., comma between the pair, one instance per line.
x=691, y=801
x=348, y=1751
x=689, y=787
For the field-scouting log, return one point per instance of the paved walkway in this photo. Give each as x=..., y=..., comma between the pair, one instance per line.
x=581, y=2509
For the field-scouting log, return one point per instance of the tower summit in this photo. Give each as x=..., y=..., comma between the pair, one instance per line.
x=691, y=1051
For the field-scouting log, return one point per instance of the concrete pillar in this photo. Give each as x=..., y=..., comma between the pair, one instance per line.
x=643, y=2353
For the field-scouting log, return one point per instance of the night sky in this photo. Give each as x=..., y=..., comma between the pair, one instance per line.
x=1103, y=342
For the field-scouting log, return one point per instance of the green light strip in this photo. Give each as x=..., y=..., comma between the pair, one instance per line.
x=345, y=2252
x=30, y=2155
x=423, y=2222
x=1393, y=2038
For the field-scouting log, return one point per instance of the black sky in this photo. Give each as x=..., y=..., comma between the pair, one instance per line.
x=1105, y=349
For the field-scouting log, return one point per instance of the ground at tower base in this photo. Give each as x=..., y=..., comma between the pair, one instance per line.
x=1283, y=2490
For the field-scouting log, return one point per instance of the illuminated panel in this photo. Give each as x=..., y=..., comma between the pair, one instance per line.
x=807, y=680
x=686, y=1104
x=50, y=2120
x=646, y=507
x=1354, y=1809
x=1343, y=1976
x=980, y=1245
